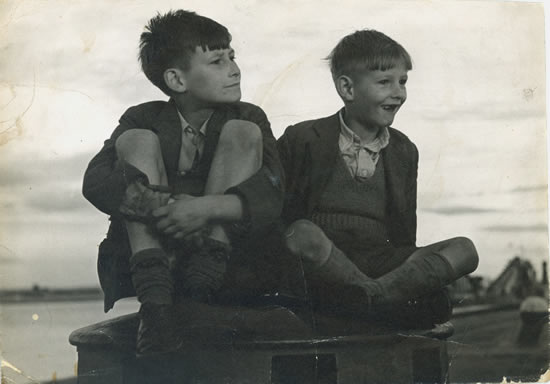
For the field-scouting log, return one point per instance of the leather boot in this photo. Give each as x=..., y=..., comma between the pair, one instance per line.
x=157, y=332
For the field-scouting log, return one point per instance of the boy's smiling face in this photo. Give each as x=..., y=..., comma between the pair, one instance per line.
x=377, y=96
x=213, y=76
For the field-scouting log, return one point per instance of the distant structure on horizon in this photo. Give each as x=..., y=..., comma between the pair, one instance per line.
x=517, y=281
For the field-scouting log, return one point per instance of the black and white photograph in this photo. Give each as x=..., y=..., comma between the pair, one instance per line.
x=273, y=192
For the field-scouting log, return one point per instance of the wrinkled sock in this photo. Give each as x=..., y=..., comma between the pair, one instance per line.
x=151, y=276
x=418, y=276
x=204, y=271
x=339, y=269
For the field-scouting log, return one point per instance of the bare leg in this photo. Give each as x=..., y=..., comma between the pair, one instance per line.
x=151, y=275
x=238, y=156
x=141, y=148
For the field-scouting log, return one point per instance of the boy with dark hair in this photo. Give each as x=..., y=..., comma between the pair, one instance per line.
x=190, y=184
x=351, y=185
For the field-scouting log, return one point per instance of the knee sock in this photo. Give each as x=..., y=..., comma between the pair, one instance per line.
x=421, y=274
x=339, y=269
x=151, y=276
x=204, y=272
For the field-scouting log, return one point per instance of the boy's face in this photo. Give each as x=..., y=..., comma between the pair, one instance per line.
x=213, y=76
x=378, y=95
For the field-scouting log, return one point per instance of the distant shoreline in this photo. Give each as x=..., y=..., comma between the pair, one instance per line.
x=38, y=294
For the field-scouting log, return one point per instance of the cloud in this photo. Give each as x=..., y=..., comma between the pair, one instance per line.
x=25, y=170
x=41, y=184
x=516, y=228
x=505, y=111
x=57, y=200
x=461, y=210
x=533, y=188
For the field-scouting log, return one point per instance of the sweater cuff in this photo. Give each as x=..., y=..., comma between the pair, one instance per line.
x=261, y=195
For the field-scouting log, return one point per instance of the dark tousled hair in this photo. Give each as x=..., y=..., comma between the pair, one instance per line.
x=170, y=39
x=366, y=49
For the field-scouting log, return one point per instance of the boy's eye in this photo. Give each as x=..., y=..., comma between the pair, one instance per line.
x=384, y=81
x=403, y=81
x=217, y=61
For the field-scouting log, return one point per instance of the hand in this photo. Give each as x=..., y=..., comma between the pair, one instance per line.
x=184, y=216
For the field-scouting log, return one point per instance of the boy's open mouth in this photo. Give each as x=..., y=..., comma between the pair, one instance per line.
x=391, y=108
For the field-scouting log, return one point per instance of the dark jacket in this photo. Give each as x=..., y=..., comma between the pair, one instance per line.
x=107, y=178
x=309, y=151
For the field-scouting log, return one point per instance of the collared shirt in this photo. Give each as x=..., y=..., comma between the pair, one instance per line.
x=360, y=157
x=192, y=144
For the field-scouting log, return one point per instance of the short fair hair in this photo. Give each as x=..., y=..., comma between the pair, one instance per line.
x=366, y=49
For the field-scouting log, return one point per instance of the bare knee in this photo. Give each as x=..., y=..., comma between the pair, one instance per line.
x=305, y=239
x=137, y=141
x=468, y=257
x=242, y=136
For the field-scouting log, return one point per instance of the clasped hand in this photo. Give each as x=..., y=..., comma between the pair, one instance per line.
x=184, y=216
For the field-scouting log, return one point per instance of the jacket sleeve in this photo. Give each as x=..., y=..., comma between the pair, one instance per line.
x=287, y=160
x=411, y=193
x=262, y=193
x=107, y=177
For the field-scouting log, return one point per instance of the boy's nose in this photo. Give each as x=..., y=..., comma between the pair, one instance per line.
x=234, y=70
x=399, y=92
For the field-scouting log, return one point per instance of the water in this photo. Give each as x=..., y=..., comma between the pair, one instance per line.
x=34, y=340
x=34, y=336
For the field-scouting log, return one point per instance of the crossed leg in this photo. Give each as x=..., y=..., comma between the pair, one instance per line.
x=428, y=269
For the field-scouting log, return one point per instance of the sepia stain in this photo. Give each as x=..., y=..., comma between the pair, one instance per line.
x=88, y=41
x=16, y=130
x=276, y=83
x=529, y=93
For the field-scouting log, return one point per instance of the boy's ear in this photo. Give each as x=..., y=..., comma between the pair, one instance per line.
x=175, y=80
x=344, y=87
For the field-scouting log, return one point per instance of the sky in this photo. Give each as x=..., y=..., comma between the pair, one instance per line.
x=476, y=109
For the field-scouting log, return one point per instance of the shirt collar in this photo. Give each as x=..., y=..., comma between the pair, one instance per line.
x=185, y=124
x=380, y=142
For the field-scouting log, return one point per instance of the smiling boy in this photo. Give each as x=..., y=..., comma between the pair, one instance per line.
x=350, y=202
x=190, y=184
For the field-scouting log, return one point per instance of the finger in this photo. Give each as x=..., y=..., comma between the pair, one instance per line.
x=164, y=223
x=187, y=233
x=171, y=230
x=161, y=211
